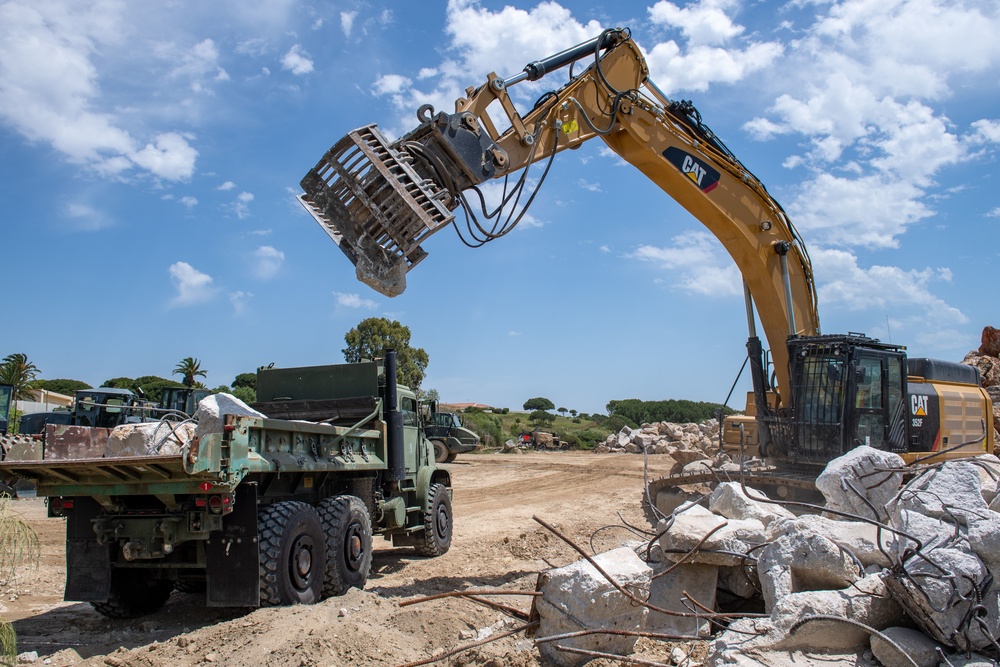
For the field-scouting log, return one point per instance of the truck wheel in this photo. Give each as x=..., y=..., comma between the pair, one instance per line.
x=440, y=451
x=292, y=554
x=134, y=593
x=451, y=457
x=437, y=523
x=348, y=530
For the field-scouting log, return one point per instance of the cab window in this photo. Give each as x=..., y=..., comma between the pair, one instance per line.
x=409, y=409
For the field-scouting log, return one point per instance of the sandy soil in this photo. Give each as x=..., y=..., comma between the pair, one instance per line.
x=496, y=545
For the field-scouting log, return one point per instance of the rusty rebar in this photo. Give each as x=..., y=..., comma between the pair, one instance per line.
x=471, y=591
x=476, y=644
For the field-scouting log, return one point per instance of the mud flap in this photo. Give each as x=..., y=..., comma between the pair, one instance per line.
x=88, y=564
x=231, y=557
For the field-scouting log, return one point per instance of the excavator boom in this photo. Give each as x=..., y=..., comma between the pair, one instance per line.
x=379, y=200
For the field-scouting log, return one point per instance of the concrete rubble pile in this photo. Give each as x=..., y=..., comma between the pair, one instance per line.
x=166, y=438
x=987, y=360
x=890, y=571
x=680, y=447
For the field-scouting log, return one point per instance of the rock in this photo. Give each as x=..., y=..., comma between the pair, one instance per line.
x=686, y=456
x=988, y=467
x=212, y=408
x=988, y=366
x=729, y=500
x=643, y=440
x=867, y=602
x=860, y=538
x=703, y=465
x=667, y=592
x=803, y=561
x=944, y=607
x=601, y=449
x=27, y=657
x=149, y=439
x=578, y=597
x=951, y=490
x=860, y=468
x=692, y=525
x=931, y=532
x=624, y=436
x=990, y=346
x=918, y=646
x=735, y=579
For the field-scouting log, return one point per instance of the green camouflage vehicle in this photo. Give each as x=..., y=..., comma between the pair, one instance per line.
x=269, y=511
x=448, y=435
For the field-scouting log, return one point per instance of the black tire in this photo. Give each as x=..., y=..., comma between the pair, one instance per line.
x=192, y=586
x=134, y=593
x=348, y=530
x=292, y=554
x=451, y=457
x=437, y=522
x=440, y=451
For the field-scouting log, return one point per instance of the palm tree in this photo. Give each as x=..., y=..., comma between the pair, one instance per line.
x=190, y=368
x=19, y=373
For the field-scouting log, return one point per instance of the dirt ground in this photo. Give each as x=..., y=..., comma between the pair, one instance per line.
x=496, y=545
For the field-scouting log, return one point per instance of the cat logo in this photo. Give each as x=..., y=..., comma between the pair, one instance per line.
x=918, y=406
x=700, y=173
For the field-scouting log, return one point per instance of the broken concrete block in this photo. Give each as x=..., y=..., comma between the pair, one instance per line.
x=577, y=597
x=931, y=532
x=212, y=408
x=920, y=648
x=739, y=581
x=861, y=468
x=947, y=593
x=951, y=490
x=867, y=602
x=729, y=500
x=725, y=546
x=860, y=538
x=803, y=561
x=149, y=439
x=989, y=475
x=667, y=592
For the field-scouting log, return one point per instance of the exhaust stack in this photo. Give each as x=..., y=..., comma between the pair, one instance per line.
x=394, y=422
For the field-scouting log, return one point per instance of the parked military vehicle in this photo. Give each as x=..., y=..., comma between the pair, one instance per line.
x=266, y=512
x=182, y=400
x=6, y=403
x=447, y=434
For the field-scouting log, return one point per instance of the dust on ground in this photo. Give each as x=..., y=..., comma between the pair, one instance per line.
x=496, y=545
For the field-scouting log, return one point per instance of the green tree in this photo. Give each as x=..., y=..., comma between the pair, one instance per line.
x=373, y=336
x=119, y=383
x=62, y=386
x=541, y=417
x=248, y=380
x=245, y=394
x=189, y=368
x=431, y=395
x=573, y=413
x=19, y=373
x=539, y=403
x=562, y=411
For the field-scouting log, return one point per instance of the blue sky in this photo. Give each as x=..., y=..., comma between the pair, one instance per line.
x=150, y=154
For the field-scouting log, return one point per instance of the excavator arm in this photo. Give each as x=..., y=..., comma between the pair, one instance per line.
x=379, y=200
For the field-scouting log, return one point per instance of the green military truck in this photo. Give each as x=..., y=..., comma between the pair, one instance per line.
x=447, y=435
x=269, y=511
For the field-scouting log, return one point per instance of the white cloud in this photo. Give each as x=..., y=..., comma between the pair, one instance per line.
x=884, y=289
x=190, y=202
x=297, y=61
x=85, y=218
x=514, y=334
x=698, y=263
x=269, y=261
x=49, y=89
x=347, y=22
x=228, y=185
x=193, y=286
x=354, y=301
x=390, y=84
x=590, y=187
x=987, y=130
x=240, y=299
x=171, y=158
x=241, y=205
x=703, y=22
x=198, y=65
x=701, y=65
x=995, y=213
x=604, y=248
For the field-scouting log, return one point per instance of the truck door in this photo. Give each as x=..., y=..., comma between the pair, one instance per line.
x=411, y=430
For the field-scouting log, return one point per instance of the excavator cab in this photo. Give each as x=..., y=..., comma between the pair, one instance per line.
x=847, y=391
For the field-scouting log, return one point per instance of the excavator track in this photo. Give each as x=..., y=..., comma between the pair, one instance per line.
x=666, y=493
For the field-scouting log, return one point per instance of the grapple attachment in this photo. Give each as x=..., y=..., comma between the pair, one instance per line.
x=376, y=207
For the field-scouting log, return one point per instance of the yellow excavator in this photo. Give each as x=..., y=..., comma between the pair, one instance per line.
x=817, y=395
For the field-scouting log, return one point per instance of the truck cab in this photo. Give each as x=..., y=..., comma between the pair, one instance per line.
x=6, y=401
x=449, y=437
